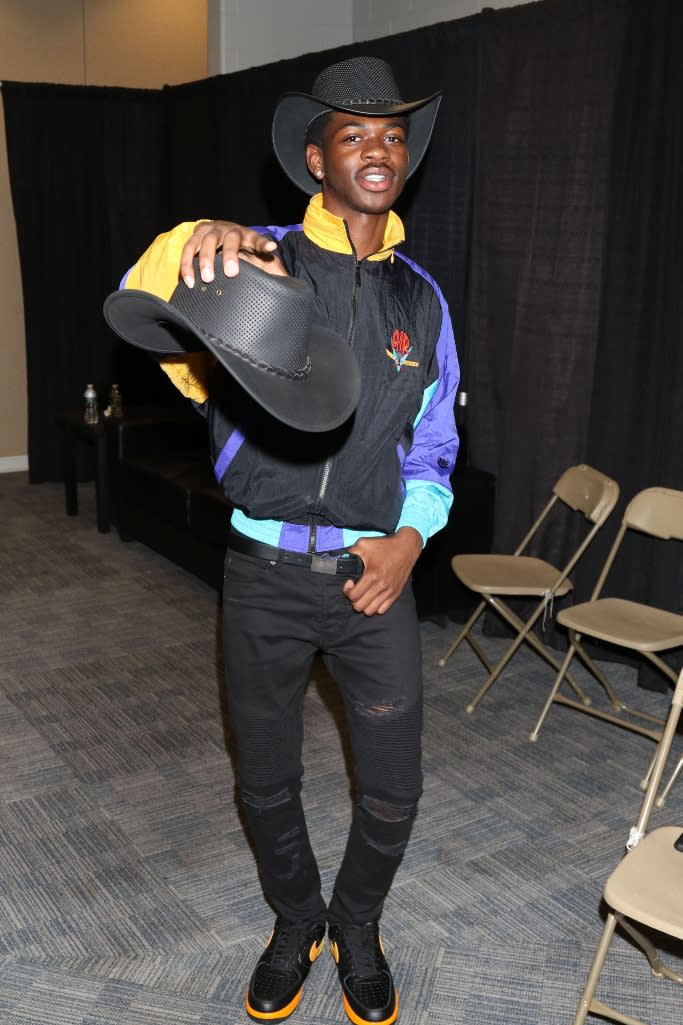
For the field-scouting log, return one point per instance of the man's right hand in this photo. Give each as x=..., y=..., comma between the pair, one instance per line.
x=236, y=242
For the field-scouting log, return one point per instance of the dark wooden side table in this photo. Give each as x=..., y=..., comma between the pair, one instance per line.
x=106, y=438
x=76, y=431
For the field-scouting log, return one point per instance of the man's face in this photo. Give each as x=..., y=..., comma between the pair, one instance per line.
x=364, y=162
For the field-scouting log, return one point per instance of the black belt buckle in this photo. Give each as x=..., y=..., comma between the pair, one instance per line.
x=350, y=565
x=324, y=564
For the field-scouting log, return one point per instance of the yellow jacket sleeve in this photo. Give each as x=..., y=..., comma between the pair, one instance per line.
x=157, y=271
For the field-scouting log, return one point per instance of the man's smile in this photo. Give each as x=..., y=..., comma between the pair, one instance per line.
x=376, y=179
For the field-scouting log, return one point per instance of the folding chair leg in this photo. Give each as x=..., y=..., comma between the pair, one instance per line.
x=524, y=634
x=605, y=1011
x=533, y=736
x=614, y=698
x=616, y=704
x=479, y=653
x=587, y=1002
x=579, y=691
x=645, y=781
x=539, y=647
x=661, y=800
x=659, y=969
x=463, y=634
x=493, y=676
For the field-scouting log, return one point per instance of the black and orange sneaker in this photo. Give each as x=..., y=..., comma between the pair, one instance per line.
x=368, y=989
x=277, y=983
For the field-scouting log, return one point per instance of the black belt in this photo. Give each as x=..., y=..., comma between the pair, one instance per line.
x=343, y=564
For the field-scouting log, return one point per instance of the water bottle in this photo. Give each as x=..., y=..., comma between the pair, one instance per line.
x=90, y=399
x=115, y=401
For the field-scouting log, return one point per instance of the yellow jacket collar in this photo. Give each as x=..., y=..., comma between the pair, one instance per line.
x=329, y=231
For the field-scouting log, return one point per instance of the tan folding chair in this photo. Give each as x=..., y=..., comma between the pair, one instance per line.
x=646, y=887
x=494, y=577
x=657, y=512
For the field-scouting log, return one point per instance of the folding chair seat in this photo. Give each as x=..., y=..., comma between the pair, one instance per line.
x=645, y=629
x=646, y=888
x=495, y=577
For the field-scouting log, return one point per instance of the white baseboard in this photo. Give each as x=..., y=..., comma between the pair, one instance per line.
x=12, y=464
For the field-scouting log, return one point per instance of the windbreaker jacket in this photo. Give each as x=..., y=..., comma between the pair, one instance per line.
x=390, y=465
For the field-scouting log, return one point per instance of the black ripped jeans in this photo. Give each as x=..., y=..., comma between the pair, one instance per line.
x=276, y=619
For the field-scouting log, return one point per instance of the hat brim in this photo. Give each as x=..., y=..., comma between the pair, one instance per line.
x=322, y=400
x=294, y=111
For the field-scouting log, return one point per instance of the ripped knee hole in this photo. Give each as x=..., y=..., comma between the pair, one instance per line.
x=388, y=709
x=387, y=812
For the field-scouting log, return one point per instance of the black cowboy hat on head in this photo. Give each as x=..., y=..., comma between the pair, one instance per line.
x=260, y=328
x=361, y=85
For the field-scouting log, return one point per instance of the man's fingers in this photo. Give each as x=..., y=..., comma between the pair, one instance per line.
x=186, y=258
x=228, y=238
x=269, y=261
x=255, y=249
x=204, y=241
x=369, y=597
x=373, y=604
x=235, y=241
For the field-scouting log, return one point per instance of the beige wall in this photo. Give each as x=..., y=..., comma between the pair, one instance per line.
x=237, y=38
x=387, y=17
x=135, y=43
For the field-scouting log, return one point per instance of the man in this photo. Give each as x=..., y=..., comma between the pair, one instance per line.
x=327, y=527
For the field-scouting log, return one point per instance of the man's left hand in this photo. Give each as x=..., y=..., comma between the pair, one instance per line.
x=388, y=564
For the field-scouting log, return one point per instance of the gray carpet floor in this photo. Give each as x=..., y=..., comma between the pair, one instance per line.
x=128, y=895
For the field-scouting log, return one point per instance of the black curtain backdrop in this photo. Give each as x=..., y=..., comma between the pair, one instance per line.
x=636, y=424
x=548, y=83
x=87, y=193
x=548, y=209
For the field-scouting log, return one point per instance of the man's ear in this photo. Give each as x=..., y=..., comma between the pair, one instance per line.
x=314, y=159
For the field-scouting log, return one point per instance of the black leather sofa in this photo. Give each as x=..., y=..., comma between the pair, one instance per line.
x=167, y=498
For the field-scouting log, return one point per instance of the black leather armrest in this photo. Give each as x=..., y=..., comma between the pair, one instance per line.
x=159, y=431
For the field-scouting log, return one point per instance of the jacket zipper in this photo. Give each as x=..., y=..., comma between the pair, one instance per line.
x=327, y=467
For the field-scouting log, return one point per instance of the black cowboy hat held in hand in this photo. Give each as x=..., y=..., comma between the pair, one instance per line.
x=260, y=328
